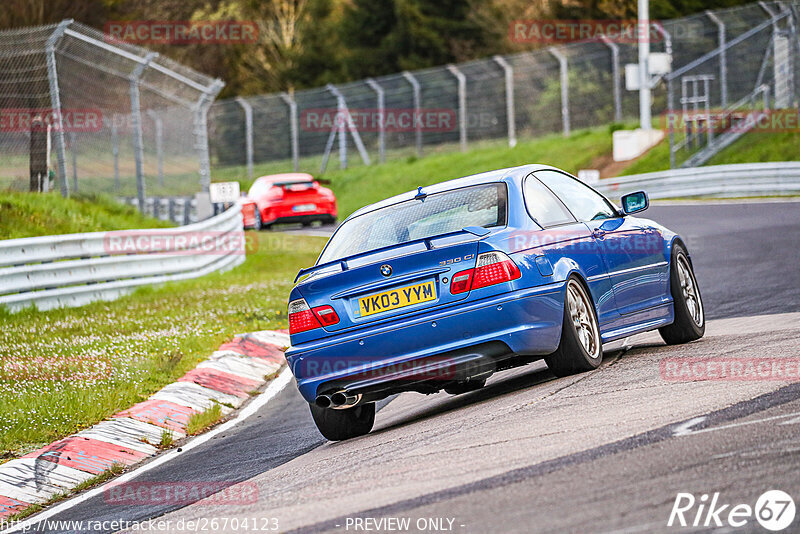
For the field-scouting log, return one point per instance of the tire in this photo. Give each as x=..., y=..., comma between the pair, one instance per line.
x=257, y=220
x=338, y=425
x=580, y=348
x=690, y=320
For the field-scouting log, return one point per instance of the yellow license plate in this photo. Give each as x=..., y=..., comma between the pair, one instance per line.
x=396, y=298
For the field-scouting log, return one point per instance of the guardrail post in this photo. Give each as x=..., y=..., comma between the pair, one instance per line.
x=417, y=96
x=55, y=103
x=381, y=118
x=136, y=125
x=293, y=130
x=187, y=210
x=615, y=74
x=562, y=68
x=508, y=73
x=159, y=144
x=462, y=105
x=115, y=150
x=248, y=133
x=201, y=131
x=723, y=57
x=73, y=153
x=171, y=209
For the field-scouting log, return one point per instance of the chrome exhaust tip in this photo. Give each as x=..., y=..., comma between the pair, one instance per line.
x=343, y=399
x=323, y=401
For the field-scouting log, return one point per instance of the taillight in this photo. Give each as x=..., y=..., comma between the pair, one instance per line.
x=326, y=315
x=494, y=268
x=461, y=282
x=491, y=268
x=303, y=318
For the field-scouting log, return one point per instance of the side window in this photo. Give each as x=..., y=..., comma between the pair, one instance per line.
x=543, y=206
x=585, y=203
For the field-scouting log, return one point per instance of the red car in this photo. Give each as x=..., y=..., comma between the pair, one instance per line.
x=287, y=198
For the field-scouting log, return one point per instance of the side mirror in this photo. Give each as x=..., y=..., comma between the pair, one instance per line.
x=635, y=202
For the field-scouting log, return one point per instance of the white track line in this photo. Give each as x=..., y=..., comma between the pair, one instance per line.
x=724, y=201
x=275, y=387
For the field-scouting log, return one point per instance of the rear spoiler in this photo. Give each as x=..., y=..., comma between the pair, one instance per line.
x=477, y=231
x=285, y=184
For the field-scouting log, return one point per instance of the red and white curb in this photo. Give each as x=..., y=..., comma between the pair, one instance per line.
x=227, y=377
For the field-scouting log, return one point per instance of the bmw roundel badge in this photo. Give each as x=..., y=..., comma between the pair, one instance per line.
x=386, y=269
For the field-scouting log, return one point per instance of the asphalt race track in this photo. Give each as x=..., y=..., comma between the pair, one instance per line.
x=606, y=451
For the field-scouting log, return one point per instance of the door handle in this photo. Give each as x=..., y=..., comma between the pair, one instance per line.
x=598, y=233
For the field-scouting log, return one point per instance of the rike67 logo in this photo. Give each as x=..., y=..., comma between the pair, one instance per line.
x=774, y=510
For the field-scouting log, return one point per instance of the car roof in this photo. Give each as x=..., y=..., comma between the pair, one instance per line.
x=499, y=175
x=286, y=177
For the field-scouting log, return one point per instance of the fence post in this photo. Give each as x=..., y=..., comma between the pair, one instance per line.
x=508, y=73
x=345, y=125
x=671, y=121
x=293, y=129
x=201, y=131
x=417, y=109
x=136, y=125
x=462, y=105
x=381, y=118
x=341, y=117
x=74, y=156
x=562, y=67
x=615, y=73
x=55, y=103
x=115, y=150
x=723, y=57
x=248, y=133
x=159, y=144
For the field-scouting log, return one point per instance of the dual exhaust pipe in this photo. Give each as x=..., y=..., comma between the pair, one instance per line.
x=340, y=399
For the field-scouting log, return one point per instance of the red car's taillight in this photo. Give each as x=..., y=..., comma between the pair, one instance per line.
x=303, y=318
x=491, y=268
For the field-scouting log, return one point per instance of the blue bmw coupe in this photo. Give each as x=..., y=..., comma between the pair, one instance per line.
x=441, y=287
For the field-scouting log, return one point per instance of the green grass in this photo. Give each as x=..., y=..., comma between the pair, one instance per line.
x=751, y=147
x=362, y=185
x=203, y=420
x=34, y=214
x=759, y=147
x=166, y=439
x=64, y=370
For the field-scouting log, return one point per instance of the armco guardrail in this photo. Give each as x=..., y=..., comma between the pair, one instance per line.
x=720, y=181
x=74, y=269
x=180, y=210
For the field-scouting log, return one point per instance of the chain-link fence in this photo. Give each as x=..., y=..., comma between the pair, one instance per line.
x=104, y=115
x=559, y=88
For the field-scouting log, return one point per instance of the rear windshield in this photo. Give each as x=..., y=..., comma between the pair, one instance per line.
x=436, y=214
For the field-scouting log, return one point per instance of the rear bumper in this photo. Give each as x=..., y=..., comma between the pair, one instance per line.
x=526, y=321
x=305, y=218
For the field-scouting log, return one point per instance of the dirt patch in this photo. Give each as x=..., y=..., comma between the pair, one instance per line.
x=608, y=167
